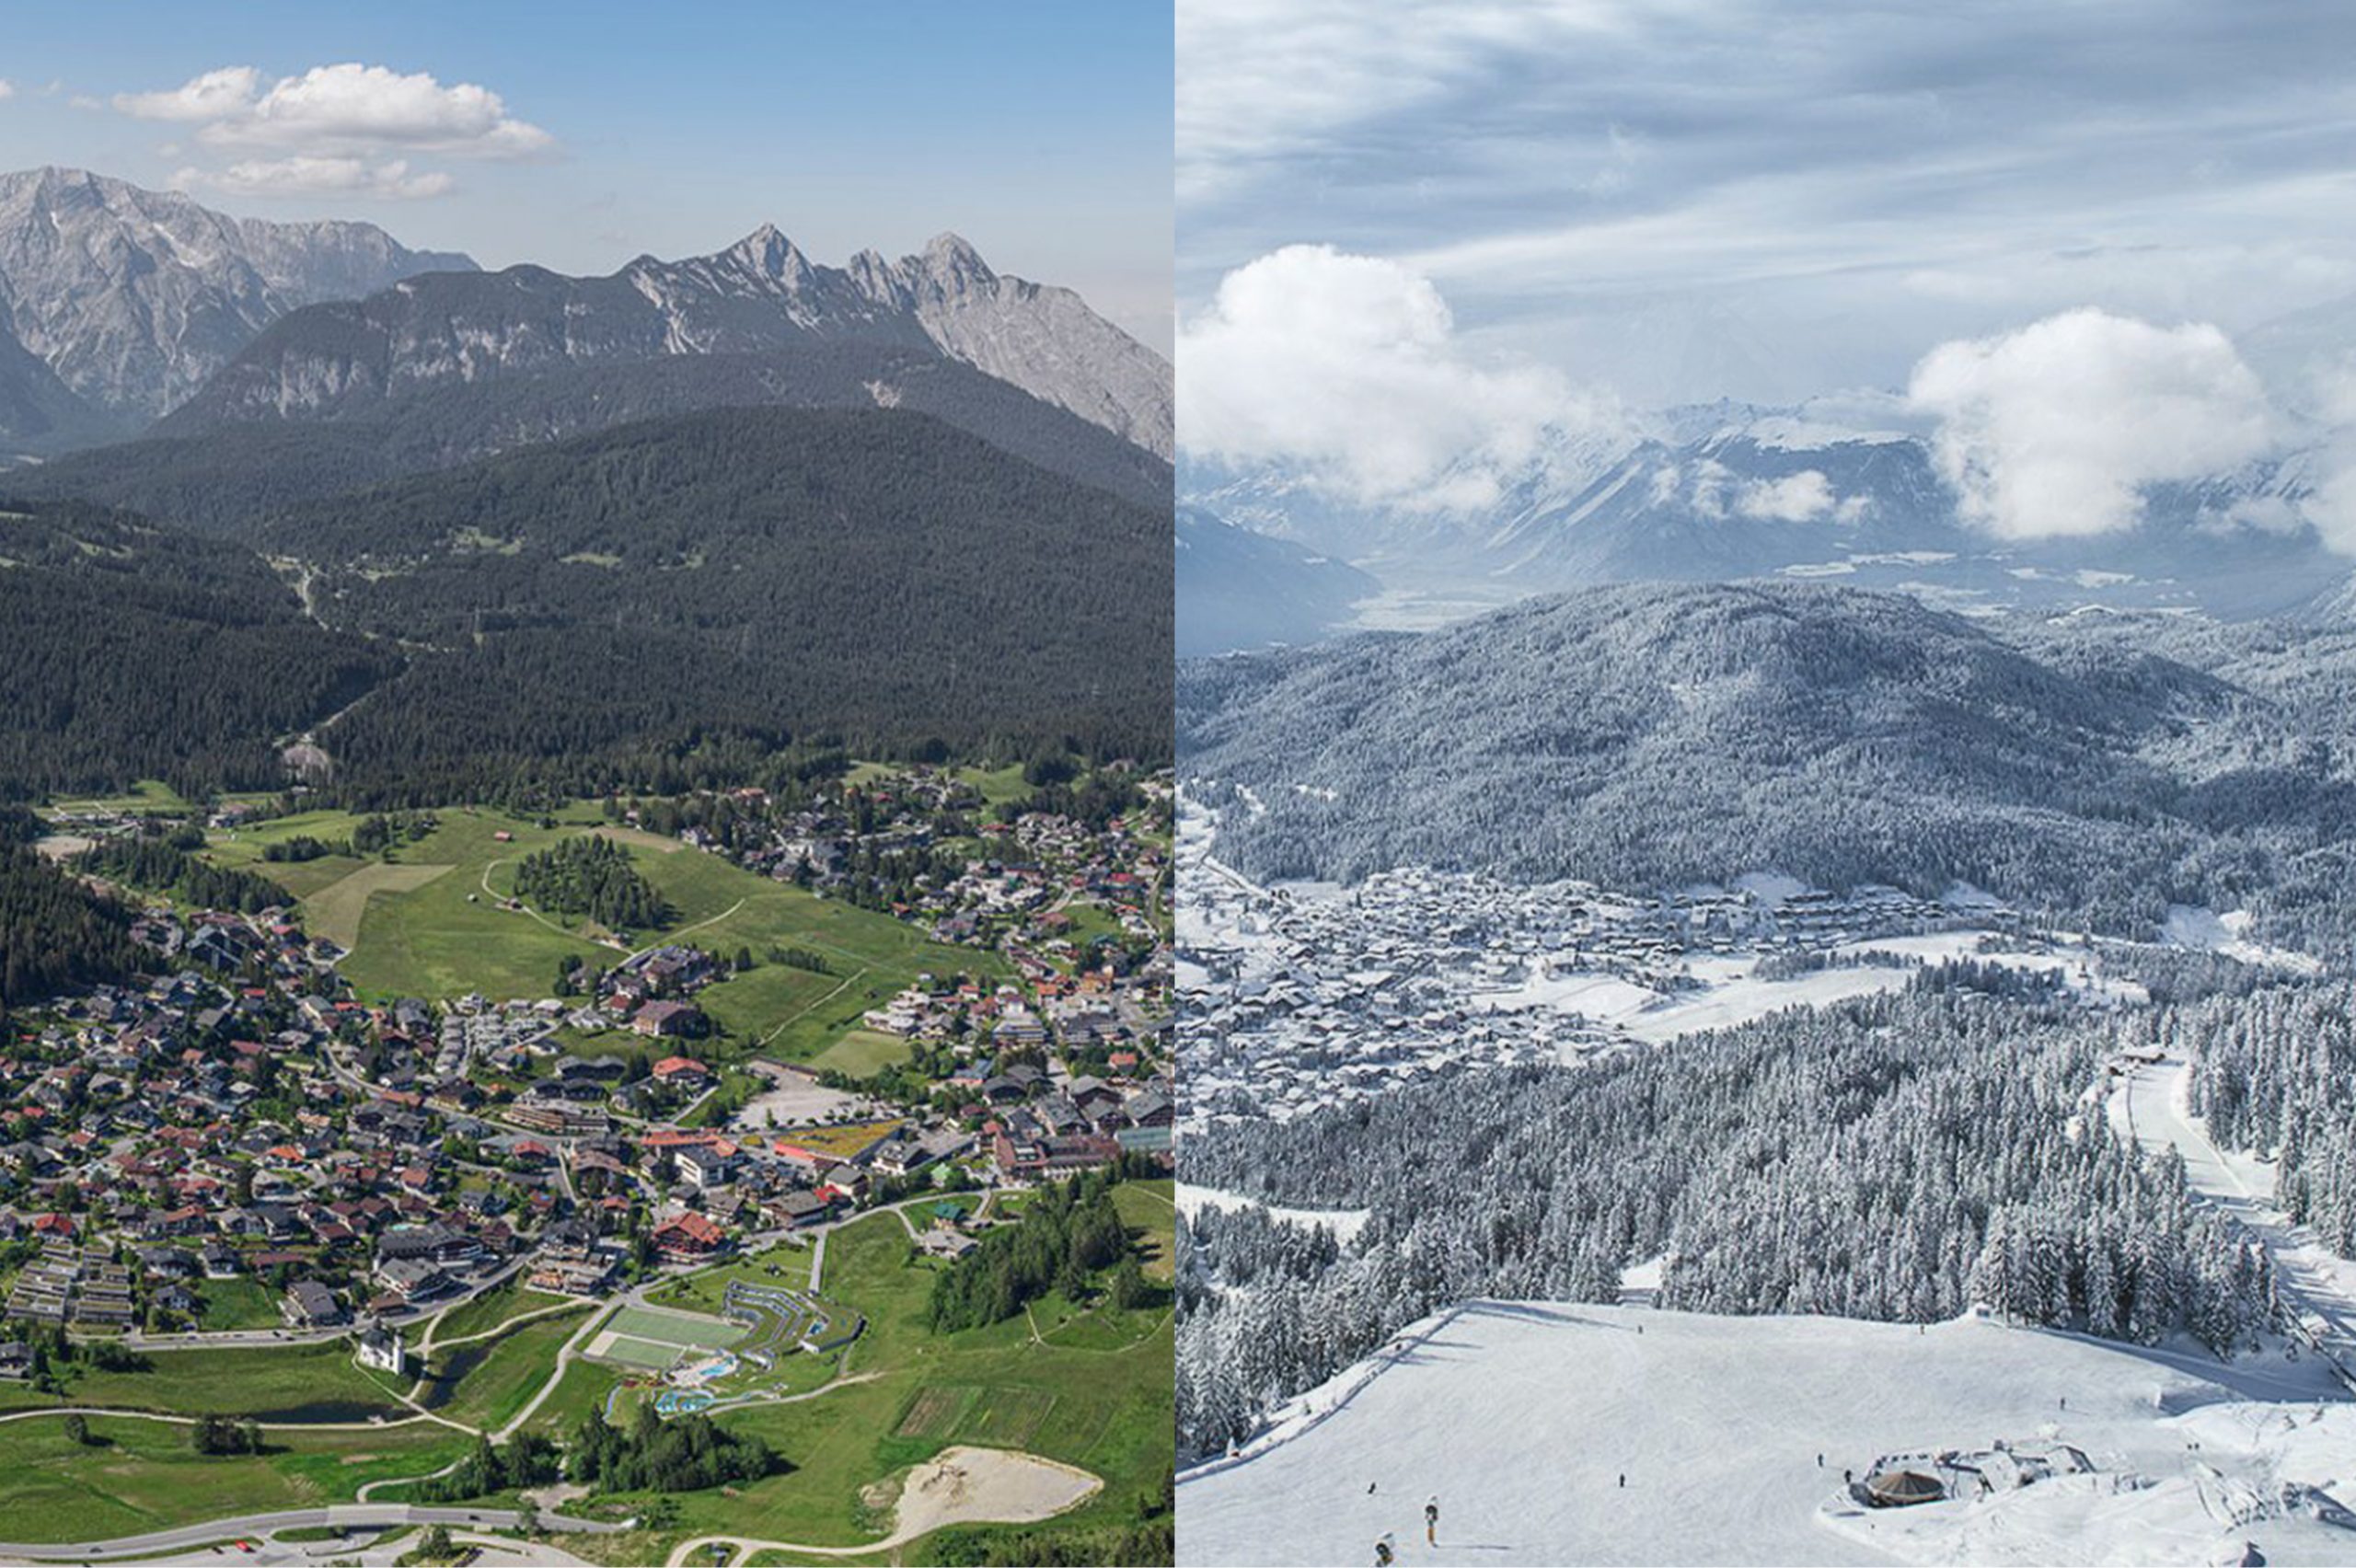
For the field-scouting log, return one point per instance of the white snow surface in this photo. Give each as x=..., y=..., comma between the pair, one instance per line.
x=2190, y=925
x=1344, y=1223
x=1520, y=1418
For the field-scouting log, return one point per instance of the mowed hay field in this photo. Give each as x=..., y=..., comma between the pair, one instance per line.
x=909, y=1394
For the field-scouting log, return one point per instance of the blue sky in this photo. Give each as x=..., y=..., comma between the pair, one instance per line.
x=1042, y=131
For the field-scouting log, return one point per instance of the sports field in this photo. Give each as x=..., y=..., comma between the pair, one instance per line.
x=653, y=1339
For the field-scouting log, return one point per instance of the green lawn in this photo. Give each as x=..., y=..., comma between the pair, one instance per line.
x=306, y=1382
x=142, y=1475
x=1147, y=1208
x=862, y=1052
x=485, y=1383
x=786, y=1264
x=584, y=1387
x=244, y=1302
x=492, y=1309
x=448, y=937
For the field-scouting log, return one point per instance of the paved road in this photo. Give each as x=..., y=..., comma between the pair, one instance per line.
x=380, y=1516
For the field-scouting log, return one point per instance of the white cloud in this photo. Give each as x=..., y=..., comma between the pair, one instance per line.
x=2054, y=429
x=1796, y=497
x=368, y=107
x=7, y=89
x=215, y=95
x=1348, y=367
x=2332, y=505
x=346, y=128
x=2331, y=501
x=303, y=176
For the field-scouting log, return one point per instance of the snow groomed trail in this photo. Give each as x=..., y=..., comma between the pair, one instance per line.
x=1523, y=1417
x=2154, y=1109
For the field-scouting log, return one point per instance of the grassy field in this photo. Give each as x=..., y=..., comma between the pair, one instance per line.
x=492, y=1309
x=489, y=1309
x=445, y=936
x=1148, y=1208
x=243, y=848
x=308, y=1382
x=142, y=1475
x=241, y=1303
x=794, y=1013
x=1106, y=1410
x=997, y=784
x=430, y=924
x=862, y=1052
x=151, y=796
x=584, y=1387
x=485, y=1383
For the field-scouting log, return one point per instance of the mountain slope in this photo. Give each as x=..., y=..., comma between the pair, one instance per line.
x=135, y=298
x=135, y=652
x=1238, y=589
x=1648, y=737
x=39, y=413
x=759, y=296
x=226, y=477
x=583, y=607
x=1458, y=1414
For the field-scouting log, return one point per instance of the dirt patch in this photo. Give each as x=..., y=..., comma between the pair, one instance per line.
x=551, y=1498
x=989, y=1486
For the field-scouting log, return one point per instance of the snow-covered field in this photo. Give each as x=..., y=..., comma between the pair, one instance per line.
x=1344, y=1223
x=1521, y=1418
x=2192, y=926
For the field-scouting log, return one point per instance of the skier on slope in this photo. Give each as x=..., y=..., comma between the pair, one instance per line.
x=1382, y=1554
x=1431, y=1522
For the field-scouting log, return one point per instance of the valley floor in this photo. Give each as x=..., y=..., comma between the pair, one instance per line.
x=1522, y=1419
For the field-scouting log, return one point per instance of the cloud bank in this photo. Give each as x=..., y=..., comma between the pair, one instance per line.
x=2053, y=430
x=303, y=176
x=1349, y=368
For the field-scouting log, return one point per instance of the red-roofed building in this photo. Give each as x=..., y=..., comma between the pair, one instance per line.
x=688, y=1237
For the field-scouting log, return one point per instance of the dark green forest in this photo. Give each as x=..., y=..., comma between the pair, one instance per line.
x=53, y=933
x=135, y=652
x=661, y=606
